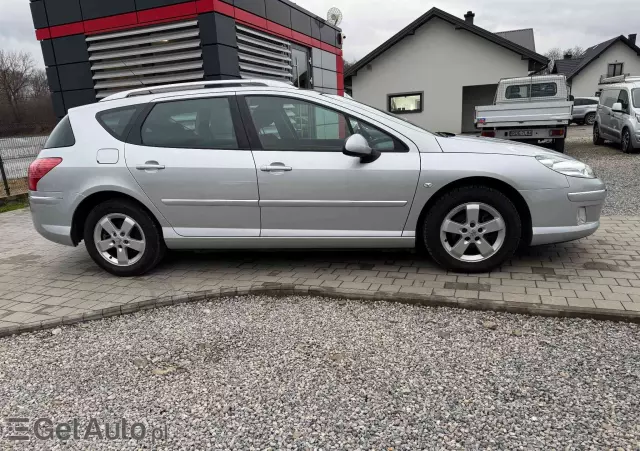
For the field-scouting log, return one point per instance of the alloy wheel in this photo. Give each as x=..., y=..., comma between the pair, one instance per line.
x=590, y=119
x=119, y=239
x=473, y=232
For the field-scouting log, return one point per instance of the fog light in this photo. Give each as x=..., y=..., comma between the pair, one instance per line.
x=582, y=215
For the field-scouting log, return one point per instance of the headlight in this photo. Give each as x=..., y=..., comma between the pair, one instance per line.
x=571, y=168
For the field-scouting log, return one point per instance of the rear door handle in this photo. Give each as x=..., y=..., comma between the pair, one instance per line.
x=150, y=165
x=276, y=167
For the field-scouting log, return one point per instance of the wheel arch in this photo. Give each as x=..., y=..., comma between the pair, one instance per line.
x=512, y=194
x=88, y=203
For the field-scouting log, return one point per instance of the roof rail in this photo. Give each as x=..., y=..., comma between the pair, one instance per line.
x=619, y=79
x=197, y=84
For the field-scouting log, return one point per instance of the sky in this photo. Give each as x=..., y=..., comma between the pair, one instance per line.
x=368, y=23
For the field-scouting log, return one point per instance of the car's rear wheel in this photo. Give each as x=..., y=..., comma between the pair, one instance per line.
x=625, y=142
x=122, y=238
x=597, y=139
x=590, y=118
x=472, y=229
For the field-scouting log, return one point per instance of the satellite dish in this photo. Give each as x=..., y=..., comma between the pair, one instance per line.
x=334, y=16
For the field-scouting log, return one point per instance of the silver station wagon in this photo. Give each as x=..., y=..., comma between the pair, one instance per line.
x=255, y=164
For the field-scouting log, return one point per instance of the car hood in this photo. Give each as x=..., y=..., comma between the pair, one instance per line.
x=472, y=144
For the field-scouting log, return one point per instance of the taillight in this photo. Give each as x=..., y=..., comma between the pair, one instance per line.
x=557, y=132
x=488, y=134
x=39, y=168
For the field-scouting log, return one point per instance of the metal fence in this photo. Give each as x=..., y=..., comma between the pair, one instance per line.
x=16, y=154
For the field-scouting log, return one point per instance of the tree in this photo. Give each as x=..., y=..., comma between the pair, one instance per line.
x=16, y=72
x=556, y=54
x=348, y=64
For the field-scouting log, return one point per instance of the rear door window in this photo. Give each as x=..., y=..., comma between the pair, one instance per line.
x=117, y=121
x=61, y=136
x=193, y=123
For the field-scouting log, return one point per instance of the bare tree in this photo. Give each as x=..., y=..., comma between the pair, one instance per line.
x=16, y=71
x=556, y=54
x=39, y=84
x=348, y=64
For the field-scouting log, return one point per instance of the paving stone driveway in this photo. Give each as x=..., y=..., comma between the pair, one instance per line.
x=41, y=281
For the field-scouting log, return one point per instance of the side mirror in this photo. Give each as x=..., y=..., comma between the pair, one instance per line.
x=617, y=108
x=357, y=146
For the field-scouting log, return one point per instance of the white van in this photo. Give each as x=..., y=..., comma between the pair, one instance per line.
x=618, y=115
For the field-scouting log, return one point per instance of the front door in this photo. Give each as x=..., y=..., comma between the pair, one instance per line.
x=309, y=188
x=192, y=160
x=618, y=118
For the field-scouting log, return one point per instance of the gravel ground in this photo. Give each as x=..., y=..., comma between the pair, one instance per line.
x=620, y=172
x=310, y=373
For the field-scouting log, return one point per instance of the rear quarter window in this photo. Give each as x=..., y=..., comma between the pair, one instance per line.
x=61, y=136
x=117, y=120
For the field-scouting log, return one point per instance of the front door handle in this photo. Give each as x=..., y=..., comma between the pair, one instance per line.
x=150, y=165
x=276, y=167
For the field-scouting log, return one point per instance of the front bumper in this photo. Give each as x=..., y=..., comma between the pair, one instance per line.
x=566, y=214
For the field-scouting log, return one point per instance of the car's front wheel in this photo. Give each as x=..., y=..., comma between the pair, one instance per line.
x=122, y=238
x=472, y=229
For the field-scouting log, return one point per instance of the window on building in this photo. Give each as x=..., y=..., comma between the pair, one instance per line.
x=116, y=121
x=614, y=70
x=405, y=103
x=195, y=123
x=293, y=124
x=525, y=91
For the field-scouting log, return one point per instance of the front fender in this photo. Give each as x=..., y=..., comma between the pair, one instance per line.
x=438, y=170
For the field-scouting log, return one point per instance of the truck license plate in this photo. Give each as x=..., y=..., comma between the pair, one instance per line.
x=521, y=133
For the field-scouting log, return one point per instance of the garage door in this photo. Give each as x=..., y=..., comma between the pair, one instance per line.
x=473, y=96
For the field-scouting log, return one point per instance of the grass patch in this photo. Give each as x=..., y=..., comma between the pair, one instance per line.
x=14, y=206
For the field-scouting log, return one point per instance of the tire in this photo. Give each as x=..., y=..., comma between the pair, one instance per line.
x=597, y=139
x=149, y=248
x=558, y=145
x=590, y=118
x=435, y=239
x=625, y=141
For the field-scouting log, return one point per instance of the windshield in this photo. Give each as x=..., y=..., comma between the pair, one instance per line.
x=635, y=94
x=377, y=110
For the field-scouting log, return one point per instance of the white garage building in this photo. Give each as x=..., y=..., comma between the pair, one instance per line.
x=437, y=69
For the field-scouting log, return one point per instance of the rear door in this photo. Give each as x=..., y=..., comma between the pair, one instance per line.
x=309, y=188
x=192, y=159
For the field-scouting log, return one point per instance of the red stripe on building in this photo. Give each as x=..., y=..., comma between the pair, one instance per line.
x=167, y=12
x=278, y=29
x=42, y=34
x=205, y=6
x=339, y=64
x=301, y=38
x=110, y=23
x=67, y=30
x=223, y=8
x=251, y=19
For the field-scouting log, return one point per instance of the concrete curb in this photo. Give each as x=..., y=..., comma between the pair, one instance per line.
x=275, y=289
